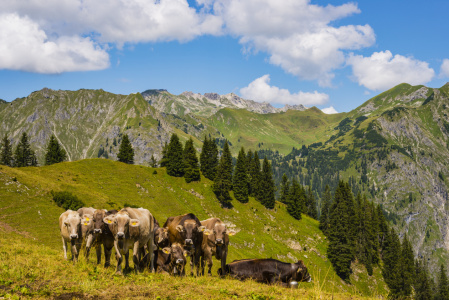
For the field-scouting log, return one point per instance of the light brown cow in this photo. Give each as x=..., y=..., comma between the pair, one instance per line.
x=133, y=228
x=215, y=243
x=70, y=228
x=87, y=228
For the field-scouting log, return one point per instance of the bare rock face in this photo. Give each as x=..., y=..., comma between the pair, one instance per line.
x=208, y=104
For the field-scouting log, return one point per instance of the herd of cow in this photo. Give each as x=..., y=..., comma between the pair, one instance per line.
x=166, y=249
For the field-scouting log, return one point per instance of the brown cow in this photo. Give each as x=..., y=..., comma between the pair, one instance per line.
x=172, y=260
x=187, y=231
x=70, y=228
x=87, y=227
x=215, y=243
x=133, y=228
x=267, y=271
x=103, y=235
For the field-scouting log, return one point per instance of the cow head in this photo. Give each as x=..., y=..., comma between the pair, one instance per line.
x=177, y=254
x=219, y=234
x=97, y=219
x=73, y=223
x=189, y=232
x=161, y=237
x=301, y=273
x=87, y=225
x=121, y=224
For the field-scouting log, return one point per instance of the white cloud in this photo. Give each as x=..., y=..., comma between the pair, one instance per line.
x=261, y=91
x=382, y=70
x=295, y=34
x=25, y=46
x=329, y=110
x=444, y=71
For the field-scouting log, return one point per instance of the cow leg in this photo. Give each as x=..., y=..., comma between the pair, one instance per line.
x=89, y=242
x=64, y=247
x=98, y=248
x=119, y=264
x=196, y=263
x=107, y=256
x=224, y=254
x=150, y=248
x=136, y=256
x=127, y=259
x=207, y=255
x=74, y=252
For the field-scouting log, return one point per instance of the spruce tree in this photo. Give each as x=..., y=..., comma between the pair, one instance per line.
x=294, y=200
x=6, y=157
x=324, y=217
x=175, y=162
x=311, y=204
x=55, y=153
x=153, y=162
x=240, y=178
x=249, y=164
x=204, y=156
x=443, y=285
x=222, y=183
x=192, y=170
x=267, y=185
x=24, y=156
x=392, y=266
x=126, y=151
x=422, y=284
x=255, y=177
x=285, y=185
x=342, y=231
x=164, y=160
x=209, y=158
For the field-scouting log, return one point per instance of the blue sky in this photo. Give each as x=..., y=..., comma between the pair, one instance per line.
x=324, y=53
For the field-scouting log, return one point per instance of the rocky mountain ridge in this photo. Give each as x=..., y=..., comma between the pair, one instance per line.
x=208, y=104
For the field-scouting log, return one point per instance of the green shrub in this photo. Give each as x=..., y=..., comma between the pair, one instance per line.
x=67, y=200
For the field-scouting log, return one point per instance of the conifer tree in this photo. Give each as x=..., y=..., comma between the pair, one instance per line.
x=164, y=160
x=175, y=162
x=295, y=200
x=443, y=285
x=227, y=160
x=209, y=158
x=6, y=157
x=24, y=156
x=324, y=217
x=391, y=256
x=222, y=183
x=285, y=186
x=55, y=153
x=255, y=177
x=311, y=204
x=240, y=184
x=153, y=162
x=422, y=284
x=249, y=165
x=192, y=170
x=342, y=231
x=204, y=156
x=126, y=151
x=267, y=186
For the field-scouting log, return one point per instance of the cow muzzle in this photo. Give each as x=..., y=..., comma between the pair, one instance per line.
x=219, y=242
x=120, y=235
x=73, y=236
x=97, y=231
x=189, y=242
x=179, y=261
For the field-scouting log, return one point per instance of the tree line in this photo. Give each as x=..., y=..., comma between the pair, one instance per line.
x=24, y=156
x=357, y=230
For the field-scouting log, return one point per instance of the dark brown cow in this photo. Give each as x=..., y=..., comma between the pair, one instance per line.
x=215, y=243
x=187, y=231
x=172, y=260
x=268, y=271
x=103, y=235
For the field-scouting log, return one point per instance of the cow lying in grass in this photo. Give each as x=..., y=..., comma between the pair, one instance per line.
x=268, y=271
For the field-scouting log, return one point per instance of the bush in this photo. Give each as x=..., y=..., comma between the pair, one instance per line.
x=67, y=200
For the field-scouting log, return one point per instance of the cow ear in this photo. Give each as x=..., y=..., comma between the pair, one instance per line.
x=85, y=221
x=134, y=223
x=165, y=229
x=207, y=232
x=186, y=253
x=166, y=250
x=108, y=220
x=231, y=233
x=180, y=228
x=201, y=228
x=87, y=217
x=66, y=222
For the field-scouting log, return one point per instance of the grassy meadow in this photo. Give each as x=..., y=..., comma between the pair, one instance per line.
x=31, y=256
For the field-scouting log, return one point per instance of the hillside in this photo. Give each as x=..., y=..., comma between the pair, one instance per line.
x=28, y=222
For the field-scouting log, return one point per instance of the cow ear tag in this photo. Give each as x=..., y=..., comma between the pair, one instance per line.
x=109, y=221
x=134, y=223
x=87, y=219
x=231, y=233
x=207, y=232
x=185, y=254
x=165, y=251
x=85, y=223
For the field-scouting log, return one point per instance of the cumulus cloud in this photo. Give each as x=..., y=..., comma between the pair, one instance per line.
x=25, y=46
x=382, y=70
x=444, y=71
x=260, y=90
x=329, y=110
x=296, y=35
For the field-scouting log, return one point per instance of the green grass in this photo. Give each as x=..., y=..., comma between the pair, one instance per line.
x=29, y=217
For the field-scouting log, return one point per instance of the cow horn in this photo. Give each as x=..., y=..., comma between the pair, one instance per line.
x=180, y=228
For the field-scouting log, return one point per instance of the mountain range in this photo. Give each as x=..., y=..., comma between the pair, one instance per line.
x=395, y=146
